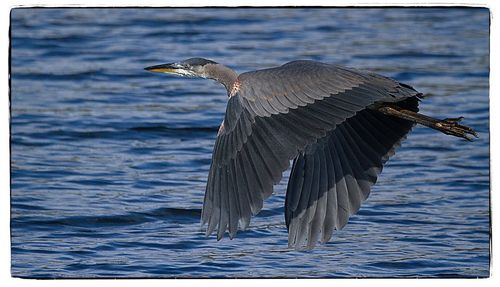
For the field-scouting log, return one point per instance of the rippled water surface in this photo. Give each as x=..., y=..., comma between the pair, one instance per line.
x=109, y=162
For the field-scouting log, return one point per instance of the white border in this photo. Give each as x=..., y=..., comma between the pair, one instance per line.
x=6, y=280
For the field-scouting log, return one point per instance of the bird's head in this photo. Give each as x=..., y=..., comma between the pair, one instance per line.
x=193, y=67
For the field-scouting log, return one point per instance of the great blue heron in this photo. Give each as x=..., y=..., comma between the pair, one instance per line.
x=339, y=126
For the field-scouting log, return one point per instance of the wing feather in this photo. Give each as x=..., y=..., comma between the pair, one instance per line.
x=233, y=202
x=354, y=192
x=294, y=188
x=331, y=219
x=223, y=203
x=343, y=206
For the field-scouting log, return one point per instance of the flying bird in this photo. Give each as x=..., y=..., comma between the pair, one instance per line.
x=339, y=125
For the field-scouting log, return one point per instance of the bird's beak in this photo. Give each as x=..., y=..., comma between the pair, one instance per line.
x=164, y=68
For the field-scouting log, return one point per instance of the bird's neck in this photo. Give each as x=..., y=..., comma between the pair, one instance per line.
x=222, y=74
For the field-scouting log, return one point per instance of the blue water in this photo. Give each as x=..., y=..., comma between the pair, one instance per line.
x=109, y=162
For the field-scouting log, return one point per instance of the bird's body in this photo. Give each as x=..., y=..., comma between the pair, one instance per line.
x=339, y=126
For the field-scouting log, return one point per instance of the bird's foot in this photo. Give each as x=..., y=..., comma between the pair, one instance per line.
x=451, y=126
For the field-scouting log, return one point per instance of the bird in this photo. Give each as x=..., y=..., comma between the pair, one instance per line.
x=339, y=126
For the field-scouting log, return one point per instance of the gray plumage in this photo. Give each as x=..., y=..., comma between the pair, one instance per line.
x=326, y=118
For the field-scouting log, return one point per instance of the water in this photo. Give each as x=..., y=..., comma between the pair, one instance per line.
x=109, y=162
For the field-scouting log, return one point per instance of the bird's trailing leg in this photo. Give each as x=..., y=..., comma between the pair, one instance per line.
x=449, y=126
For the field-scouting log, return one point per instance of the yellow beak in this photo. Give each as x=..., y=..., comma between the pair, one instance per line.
x=163, y=68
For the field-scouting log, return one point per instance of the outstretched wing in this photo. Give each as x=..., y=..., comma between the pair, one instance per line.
x=275, y=114
x=332, y=177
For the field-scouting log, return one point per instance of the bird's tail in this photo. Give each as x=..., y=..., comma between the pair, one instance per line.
x=449, y=126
